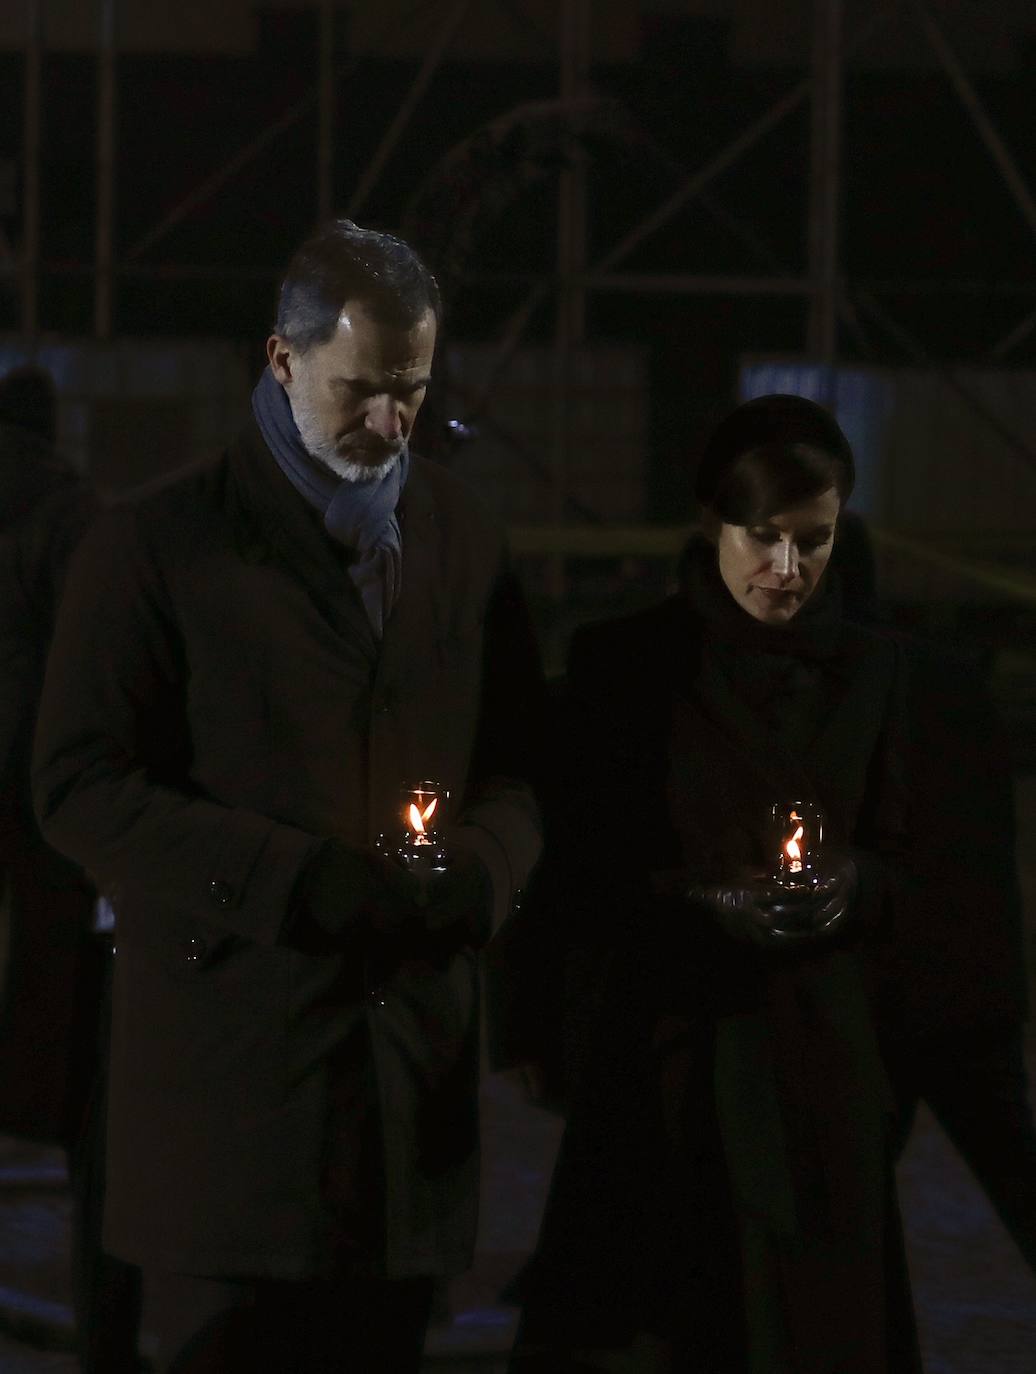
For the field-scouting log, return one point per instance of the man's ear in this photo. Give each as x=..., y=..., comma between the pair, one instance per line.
x=279, y=354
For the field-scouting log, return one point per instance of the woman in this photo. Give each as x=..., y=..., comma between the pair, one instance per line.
x=723, y=1201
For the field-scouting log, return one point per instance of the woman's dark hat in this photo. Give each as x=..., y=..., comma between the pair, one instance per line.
x=777, y=419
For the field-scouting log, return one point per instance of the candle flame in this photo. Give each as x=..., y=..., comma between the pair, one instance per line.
x=792, y=847
x=417, y=818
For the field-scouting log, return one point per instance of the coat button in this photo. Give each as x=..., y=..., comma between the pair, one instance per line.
x=194, y=950
x=220, y=892
x=376, y=997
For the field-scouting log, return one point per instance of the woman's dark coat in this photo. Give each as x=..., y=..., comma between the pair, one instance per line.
x=676, y=1039
x=216, y=705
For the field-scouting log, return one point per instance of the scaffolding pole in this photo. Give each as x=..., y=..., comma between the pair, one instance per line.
x=31, y=169
x=570, y=318
x=987, y=131
x=429, y=66
x=326, y=121
x=825, y=179
x=104, y=224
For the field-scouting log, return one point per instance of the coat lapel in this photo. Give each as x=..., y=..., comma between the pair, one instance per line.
x=288, y=529
x=832, y=772
x=417, y=616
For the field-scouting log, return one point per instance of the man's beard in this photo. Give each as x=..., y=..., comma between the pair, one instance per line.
x=326, y=452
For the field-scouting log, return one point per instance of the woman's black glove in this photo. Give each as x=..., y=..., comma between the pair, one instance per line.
x=767, y=914
x=822, y=912
x=739, y=909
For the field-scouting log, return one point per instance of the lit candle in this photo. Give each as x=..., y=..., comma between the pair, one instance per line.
x=417, y=845
x=797, y=829
x=416, y=820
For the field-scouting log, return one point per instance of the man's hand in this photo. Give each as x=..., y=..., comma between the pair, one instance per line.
x=460, y=899
x=344, y=890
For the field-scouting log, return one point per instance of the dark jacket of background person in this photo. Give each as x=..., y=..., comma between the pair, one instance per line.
x=51, y=968
x=729, y=1119
x=215, y=705
x=953, y=964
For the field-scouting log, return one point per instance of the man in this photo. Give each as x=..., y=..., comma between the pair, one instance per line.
x=250, y=661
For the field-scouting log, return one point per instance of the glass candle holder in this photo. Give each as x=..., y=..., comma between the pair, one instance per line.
x=415, y=841
x=796, y=833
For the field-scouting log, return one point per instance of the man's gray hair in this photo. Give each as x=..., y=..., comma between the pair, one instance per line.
x=342, y=262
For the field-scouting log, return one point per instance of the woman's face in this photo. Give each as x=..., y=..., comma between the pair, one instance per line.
x=772, y=569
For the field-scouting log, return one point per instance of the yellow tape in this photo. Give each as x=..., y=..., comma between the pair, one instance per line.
x=667, y=541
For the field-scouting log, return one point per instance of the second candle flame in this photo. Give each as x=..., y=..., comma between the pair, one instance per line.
x=793, y=851
x=418, y=817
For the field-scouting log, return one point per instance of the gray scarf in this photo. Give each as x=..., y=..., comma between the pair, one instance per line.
x=359, y=515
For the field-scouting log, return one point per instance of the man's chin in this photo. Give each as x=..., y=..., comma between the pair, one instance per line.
x=351, y=469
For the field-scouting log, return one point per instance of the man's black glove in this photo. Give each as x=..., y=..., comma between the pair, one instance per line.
x=460, y=898
x=344, y=891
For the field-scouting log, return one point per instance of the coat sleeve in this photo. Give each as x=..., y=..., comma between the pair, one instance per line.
x=500, y=818
x=952, y=956
x=546, y=965
x=112, y=752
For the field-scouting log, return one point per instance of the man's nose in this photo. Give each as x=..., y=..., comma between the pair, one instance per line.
x=384, y=417
x=786, y=558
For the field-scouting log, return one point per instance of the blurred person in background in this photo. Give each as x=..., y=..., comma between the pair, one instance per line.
x=54, y=1010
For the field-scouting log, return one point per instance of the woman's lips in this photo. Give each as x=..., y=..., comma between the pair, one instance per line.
x=778, y=594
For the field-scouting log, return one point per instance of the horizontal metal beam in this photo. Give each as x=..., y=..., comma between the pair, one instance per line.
x=687, y=284
x=652, y=283
x=648, y=284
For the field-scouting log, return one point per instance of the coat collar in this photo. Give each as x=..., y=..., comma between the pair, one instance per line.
x=864, y=666
x=282, y=526
x=417, y=615
x=279, y=523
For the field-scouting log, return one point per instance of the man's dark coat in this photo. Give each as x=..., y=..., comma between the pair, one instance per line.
x=216, y=705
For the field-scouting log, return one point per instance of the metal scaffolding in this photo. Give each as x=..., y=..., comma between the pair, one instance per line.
x=834, y=304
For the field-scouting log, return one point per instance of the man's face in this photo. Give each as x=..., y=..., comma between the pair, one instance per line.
x=355, y=398
x=772, y=569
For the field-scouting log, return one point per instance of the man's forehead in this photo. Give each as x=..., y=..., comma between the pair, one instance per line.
x=356, y=320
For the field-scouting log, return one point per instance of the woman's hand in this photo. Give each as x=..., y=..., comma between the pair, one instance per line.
x=765, y=914
x=742, y=910
x=821, y=912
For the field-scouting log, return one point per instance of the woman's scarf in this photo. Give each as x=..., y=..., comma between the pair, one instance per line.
x=812, y=633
